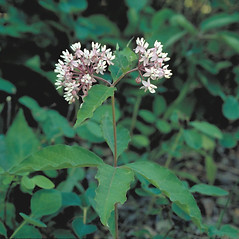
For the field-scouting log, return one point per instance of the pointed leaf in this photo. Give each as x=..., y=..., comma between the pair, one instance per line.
x=20, y=141
x=43, y=182
x=170, y=185
x=58, y=157
x=33, y=221
x=82, y=229
x=113, y=186
x=230, y=108
x=96, y=96
x=123, y=136
x=7, y=86
x=209, y=190
x=207, y=128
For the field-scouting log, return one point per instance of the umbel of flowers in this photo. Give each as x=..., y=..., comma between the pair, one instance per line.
x=77, y=71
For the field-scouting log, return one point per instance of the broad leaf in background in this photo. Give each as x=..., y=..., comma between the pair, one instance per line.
x=230, y=108
x=45, y=202
x=28, y=231
x=207, y=128
x=7, y=86
x=169, y=185
x=218, y=20
x=124, y=61
x=209, y=190
x=123, y=136
x=82, y=229
x=113, y=186
x=52, y=123
x=96, y=96
x=58, y=157
x=192, y=138
x=20, y=142
x=231, y=39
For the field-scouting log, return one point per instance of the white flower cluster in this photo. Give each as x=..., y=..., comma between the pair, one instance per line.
x=76, y=71
x=151, y=63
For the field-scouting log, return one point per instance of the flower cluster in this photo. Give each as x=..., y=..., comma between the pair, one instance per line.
x=151, y=63
x=76, y=72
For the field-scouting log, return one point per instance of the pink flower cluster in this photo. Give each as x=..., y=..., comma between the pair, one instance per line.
x=151, y=63
x=76, y=72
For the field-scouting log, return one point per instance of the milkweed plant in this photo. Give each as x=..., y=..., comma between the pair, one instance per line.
x=80, y=72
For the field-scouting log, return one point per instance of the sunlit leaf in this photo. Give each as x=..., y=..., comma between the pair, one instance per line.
x=7, y=86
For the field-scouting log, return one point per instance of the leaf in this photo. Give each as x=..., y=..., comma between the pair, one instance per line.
x=27, y=182
x=163, y=126
x=192, y=138
x=231, y=40
x=136, y=4
x=211, y=169
x=207, y=128
x=96, y=96
x=3, y=230
x=230, y=108
x=113, y=186
x=72, y=6
x=123, y=137
x=70, y=199
x=183, y=22
x=209, y=190
x=43, y=182
x=58, y=157
x=226, y=230
x=170, y=185
x=45, y=202
x=28, y=232
x=139, y=141
x=82, y=229
x=228, y=140
x=159, y=105
x=20, y=141
x=124, y=61
x=7, y=86
x=33, y=221
x=147, y=115
x=218, y=20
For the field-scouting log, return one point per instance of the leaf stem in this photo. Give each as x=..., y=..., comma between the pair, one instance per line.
x=122, y=76
x=102, y=79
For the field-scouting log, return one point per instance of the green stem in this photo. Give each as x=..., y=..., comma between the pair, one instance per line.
x=18, y=229
x=115, y=162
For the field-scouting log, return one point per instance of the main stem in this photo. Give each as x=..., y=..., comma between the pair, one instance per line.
x=115, y=162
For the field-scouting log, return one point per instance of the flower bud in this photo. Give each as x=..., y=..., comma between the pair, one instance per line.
x=138, y=80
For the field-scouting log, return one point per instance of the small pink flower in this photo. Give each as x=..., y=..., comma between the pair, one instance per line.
x=148, y=86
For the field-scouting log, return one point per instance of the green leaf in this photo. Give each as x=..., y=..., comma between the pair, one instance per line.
x=82, y=229
x=113, y=186
x=211, y=169
x=58, y=157
x=123, y=137
x=43, y=182
x=20, y=141
x=7, y=86
x=72, y=6
x=163, y=126
x=159, y=105
x=139, y=141
x=209, y=190
x=96, y=96
x=33, y=221
x=45, y=202
x=230, y=108
x=183, y=22
x=228, y=140
x=147, y=115
x=231, y=40
x=124, y=61
x=136, y=4
x=27, y=182
x=192, y=138
x=28, y=232
x=218, y=20
x=207, y=128
x=70, y=199
x=3, y=230
x=169, y=185
x=176, y=209
x=226, y=230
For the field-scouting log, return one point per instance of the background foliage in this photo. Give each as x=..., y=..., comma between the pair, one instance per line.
x=190, y=125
